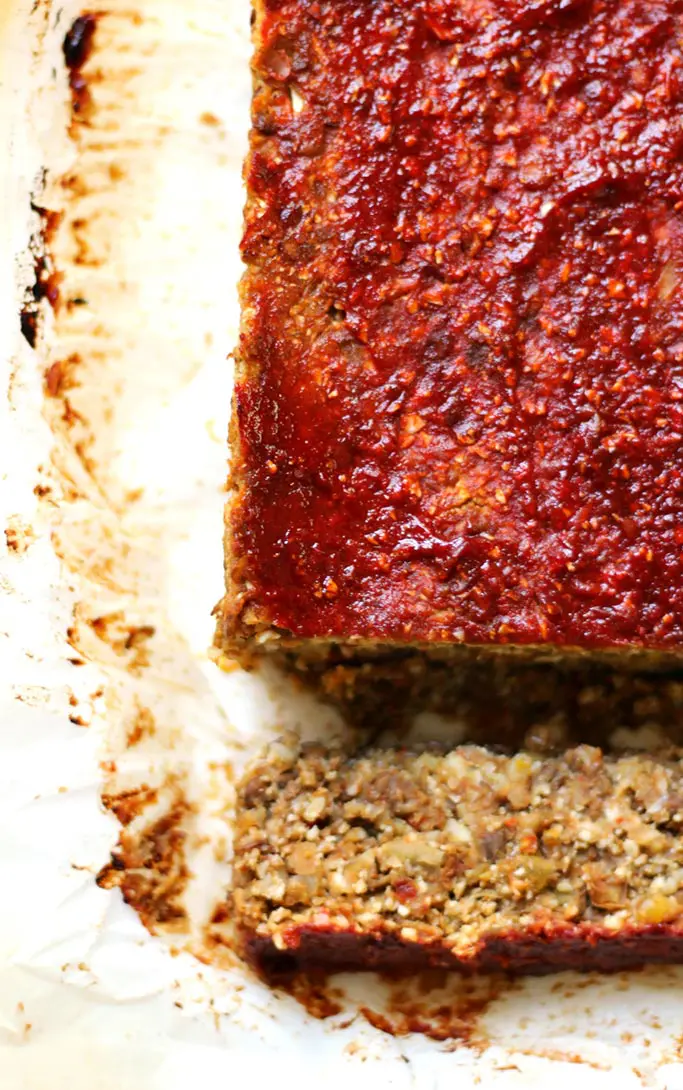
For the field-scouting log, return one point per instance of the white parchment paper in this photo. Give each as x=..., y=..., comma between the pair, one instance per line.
x=111, y=497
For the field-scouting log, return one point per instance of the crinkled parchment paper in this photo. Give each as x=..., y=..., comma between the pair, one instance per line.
x=112, y=433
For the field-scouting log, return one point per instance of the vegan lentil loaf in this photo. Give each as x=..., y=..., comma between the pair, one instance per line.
x=471, y=859
x=457, y=416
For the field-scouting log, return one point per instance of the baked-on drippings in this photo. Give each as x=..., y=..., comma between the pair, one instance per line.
x=458, y=403
x=466, y=858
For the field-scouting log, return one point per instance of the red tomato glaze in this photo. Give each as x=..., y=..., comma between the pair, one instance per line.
x=460, y=409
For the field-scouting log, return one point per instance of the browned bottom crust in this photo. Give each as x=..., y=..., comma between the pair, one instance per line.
x=519, y=953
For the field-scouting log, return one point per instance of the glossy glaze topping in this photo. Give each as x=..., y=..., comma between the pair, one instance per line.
x=459, y=407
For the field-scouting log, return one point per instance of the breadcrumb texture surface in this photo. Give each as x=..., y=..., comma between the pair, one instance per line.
x=458, y=401
x=465, y=858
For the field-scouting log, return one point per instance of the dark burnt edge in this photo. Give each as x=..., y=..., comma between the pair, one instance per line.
x=78, y=40
x=77, y=48
x=28, y=318
x=534, y=951
x=45, y=280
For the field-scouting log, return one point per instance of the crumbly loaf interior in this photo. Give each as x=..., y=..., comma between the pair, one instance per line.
x=451, y=848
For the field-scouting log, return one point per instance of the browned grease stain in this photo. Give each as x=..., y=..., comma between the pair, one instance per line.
x=316, y=994
x=126, y=640
x=149, y=865
x=560, y=1056
x=61, y=375
x=144, y=726
x=127, y=805
x=19, y=535
x=444, y=1007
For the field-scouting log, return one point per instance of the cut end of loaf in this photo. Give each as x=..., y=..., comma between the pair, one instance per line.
x=470, y=859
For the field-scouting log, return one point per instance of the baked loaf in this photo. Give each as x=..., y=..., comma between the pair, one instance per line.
x=403, y=860
x=457, y=417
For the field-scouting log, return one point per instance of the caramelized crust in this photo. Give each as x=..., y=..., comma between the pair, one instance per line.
x=466, y=858
x=458, y=402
